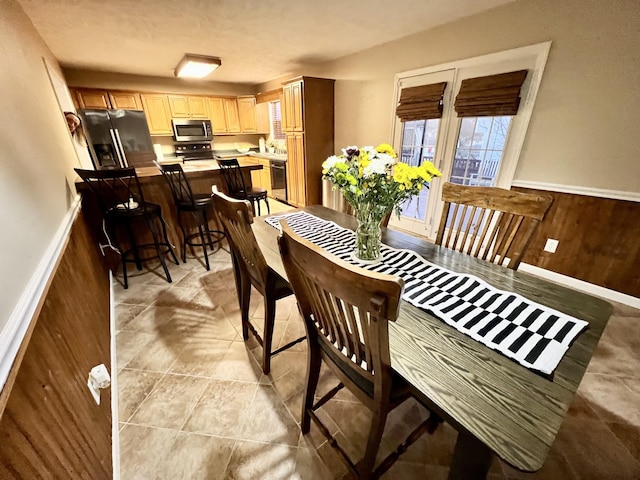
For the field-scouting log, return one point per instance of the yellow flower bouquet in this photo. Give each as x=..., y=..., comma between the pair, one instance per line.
x=374, y=182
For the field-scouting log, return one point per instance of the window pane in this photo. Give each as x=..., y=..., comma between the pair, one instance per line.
x=275, y=117
x=481, y=143
x=419, y=139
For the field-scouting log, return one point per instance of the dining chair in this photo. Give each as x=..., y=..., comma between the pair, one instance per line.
x=236, y=186
x=195, y=203
x=120, y=198
x=346, y=311
x=490, y=223
x=251, y=269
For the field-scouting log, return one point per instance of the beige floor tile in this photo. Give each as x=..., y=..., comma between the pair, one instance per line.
x=611, y=399
x=629, y=436
x=157, y=355
x=309, y=465
x=124, y=313
x=151, y=319
x=196, y=457
x=268, y=420
x=171, y=402
x=221, y=409
x=288, y=373
x=133, y=387
x=140, y=293
x=254, y=460
x=142, y=449
x=200, y=358
x=238, y=364
x=130, y=344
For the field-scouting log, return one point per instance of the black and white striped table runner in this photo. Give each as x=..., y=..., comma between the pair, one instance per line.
x=534, y=335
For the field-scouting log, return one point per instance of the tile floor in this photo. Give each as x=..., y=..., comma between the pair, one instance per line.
x=194, y=404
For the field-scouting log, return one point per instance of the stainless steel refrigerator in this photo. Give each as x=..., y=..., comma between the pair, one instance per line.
x=118, y=138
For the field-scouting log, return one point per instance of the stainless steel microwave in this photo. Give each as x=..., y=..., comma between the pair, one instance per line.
x=190, y=130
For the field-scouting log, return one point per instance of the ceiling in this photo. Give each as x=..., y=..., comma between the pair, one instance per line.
x=258, y=41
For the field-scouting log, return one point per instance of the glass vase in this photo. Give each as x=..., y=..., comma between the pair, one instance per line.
x=368, y=237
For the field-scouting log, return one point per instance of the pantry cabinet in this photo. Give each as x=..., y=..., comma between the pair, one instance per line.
x=308, y=120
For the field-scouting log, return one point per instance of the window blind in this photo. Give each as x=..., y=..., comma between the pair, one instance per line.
x=421, y=103
x=490, y=96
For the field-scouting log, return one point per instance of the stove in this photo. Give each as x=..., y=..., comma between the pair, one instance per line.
x=194, y=151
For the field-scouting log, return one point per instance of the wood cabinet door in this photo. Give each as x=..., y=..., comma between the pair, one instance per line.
x=231, y=115
x=178, y=106
x=297, y=106
x=156, y=109
x=216, y=114
x=125, y=100
x=262, y=115
x=266, y=173
x=287, y=109
x=88, y=98
x=197, y=107
x=295, y=170
x=247, y=114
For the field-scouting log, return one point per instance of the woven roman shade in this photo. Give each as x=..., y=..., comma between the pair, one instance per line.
x=421, y=103
x=490, y=96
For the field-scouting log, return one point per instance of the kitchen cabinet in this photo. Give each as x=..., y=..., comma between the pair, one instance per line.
x=183, y=106
x=156, y=109
x=293, y=106
x=106, y=99
x=247, y=114
x=262, y=178
x=223, y=112
x=262, y=116
x=309, y=107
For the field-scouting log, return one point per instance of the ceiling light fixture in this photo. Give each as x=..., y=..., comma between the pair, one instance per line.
x=196, y=66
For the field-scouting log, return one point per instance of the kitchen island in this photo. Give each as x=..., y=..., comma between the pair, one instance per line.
x=202, y=175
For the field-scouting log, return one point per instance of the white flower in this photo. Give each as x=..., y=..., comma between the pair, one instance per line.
x=377, y=165
x=330, y=162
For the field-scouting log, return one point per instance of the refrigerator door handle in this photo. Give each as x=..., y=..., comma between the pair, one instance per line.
x=116, y=146
x=123, y=156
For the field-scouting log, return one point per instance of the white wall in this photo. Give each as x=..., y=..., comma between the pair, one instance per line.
x=36, y=156
x=584, y=126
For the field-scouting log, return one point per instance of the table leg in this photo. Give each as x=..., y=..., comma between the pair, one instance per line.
x=471, y=459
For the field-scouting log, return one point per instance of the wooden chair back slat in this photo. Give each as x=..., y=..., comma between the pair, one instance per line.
x=345, y=307
x=237, y=217
x=508, y=221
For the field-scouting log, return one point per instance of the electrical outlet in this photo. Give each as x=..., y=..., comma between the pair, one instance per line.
x=551, y=246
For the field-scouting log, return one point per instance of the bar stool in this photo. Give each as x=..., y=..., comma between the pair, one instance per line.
x=123, y=206
x=236, y=187
x=197, y=204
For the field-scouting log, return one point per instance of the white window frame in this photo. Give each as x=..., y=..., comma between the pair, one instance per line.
x=534, y=55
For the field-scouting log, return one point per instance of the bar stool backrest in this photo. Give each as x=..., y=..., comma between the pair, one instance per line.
x=114, y=189
x=180, y=187
x=230, y=169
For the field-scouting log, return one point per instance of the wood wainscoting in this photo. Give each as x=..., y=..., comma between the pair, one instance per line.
x=599, y=240
x=51, y=427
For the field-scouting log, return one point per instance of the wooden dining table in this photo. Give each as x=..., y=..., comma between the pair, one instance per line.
x=496, y=405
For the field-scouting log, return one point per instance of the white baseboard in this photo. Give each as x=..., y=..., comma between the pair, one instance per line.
x=16, y=328
x=581, y=285
x=115, y=421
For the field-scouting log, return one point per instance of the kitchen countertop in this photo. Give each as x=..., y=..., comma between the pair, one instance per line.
x=195, y=166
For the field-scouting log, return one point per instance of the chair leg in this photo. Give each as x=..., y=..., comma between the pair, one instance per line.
x=134, y=246
x=154, y=233
x=314, y=362
x=166, y=239
x=257, y=200
x=184, y=238
x=366, y=465
x=207, y=230
x=204, y=246
x=266, y=201
x=269, y=321
x=244, y=296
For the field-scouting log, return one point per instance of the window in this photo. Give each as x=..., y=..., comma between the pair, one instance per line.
x=275, y=120
x=476, y=136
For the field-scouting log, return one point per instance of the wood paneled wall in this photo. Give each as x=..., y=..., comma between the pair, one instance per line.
x=599, y=240
x=51, y=426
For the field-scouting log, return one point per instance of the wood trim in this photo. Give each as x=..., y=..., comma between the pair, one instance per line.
x=270, y=96
x=15, y=335
x=578, y=190
x=51, y=426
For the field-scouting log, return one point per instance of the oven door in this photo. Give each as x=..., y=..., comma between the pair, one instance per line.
x=278, y=179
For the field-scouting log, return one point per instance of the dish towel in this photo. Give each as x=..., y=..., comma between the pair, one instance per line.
x=534, y=335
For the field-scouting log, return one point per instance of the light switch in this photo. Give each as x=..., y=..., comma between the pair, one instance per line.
x=551, y=246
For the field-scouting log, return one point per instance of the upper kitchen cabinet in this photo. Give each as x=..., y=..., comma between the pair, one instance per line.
x=293, y=106
x=105, y=99
x=223, y=112
x=247, y=114
x=183, y=106
x=308, y=113
x=262, y=117
x=156, y=109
